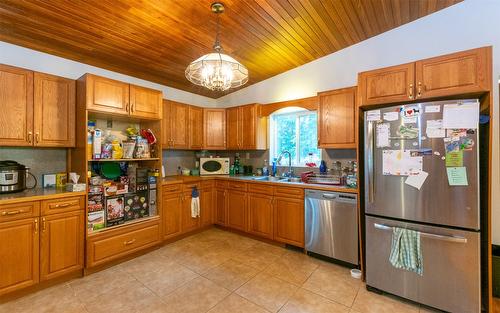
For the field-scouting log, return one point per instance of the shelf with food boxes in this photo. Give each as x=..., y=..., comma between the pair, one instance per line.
x=120, y=157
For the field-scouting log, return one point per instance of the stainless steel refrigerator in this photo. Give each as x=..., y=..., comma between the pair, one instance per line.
x=422, y=176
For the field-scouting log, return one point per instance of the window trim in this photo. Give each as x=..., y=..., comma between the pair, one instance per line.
x=273, y=134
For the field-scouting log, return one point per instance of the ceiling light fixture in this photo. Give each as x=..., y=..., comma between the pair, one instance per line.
x=217, y=71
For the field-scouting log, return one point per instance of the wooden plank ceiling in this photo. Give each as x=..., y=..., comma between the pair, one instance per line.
x=156, y=39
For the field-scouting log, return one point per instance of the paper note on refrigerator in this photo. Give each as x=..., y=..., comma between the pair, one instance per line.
x=457, y=176
x=435, y=129
x=461, y=115
x=391, y=116
x=373, y=115
x=383, y=132
x=417, y=180
x=400, y=163
x=432, y=108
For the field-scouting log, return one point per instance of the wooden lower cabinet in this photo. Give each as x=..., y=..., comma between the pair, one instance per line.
x=61, y=244
x=236, y=209
x=207, y=201
x=260, y=215
x=19, y=254
x=289, y=220
x=188, y=223
x=115, y=243
x=171, y=214
x=220, y=207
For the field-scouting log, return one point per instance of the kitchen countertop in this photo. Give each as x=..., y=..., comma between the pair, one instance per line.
x=251, y=179
x=37, y=194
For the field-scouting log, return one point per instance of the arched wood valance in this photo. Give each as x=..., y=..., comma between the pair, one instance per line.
x=310, y=104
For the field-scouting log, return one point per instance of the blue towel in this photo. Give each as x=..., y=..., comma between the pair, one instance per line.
x=406, y=252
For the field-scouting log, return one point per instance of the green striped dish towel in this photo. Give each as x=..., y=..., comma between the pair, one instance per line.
x=406, y=252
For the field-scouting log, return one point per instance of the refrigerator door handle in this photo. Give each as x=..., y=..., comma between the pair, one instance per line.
x=455, y=239
x=371, y=160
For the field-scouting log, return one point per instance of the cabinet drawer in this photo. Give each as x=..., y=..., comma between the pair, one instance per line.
x=62, y=205
x=236, y=185
x=288, y=192
x=190, y=186
x=221, y=184
x=124, y=241
x=9, y=212
x=171, y=188
x=207, y=184
x=260, y=188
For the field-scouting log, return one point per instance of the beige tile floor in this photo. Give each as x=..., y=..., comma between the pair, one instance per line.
x=217, y=272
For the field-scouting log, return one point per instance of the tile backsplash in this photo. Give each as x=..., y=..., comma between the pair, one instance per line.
x=40, y=161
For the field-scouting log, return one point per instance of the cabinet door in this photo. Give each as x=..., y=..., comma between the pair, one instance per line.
x=18, y=254
x=61, y=244
x=387, y=85
x=457, y=73
x=145, y=102
x=260, y=215
x=289, y=221
x=188, y=223
x=16, y=106
x=54, y=111
x=220, y=207
x=179, y=125
x=107, y=95
x=247, y=126
x=195, y=128
x=214, y=124
x=232, y=122
x=236, y=209
x=165, y=124
x=207, y=205
x=336, y=119
x=171, y=214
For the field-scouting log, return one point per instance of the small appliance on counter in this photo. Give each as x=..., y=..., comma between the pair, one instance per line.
x=13, y=177
x=214, y=166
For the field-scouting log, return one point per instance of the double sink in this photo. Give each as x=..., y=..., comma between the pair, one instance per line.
x=277, y=179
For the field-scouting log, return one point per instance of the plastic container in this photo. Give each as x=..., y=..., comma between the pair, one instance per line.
x=322, y=167
x=355, y=273
x=275, y=167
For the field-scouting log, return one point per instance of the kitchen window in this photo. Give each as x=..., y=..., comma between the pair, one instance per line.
x=295, y=130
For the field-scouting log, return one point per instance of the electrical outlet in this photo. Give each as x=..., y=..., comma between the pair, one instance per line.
x=109, y=124
x=247, y=155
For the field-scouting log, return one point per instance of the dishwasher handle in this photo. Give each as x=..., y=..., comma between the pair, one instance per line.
x=329, y=196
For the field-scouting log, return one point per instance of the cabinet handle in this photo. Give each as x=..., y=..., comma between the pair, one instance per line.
x=43, y=224
x=62, y=205
x=12, y=212
x=36, y=225
x=127, y=243
x=411, y=91
x=132, y=108
x=127, y=107
x=30, y=135
x=37, y=137
x=419, y=90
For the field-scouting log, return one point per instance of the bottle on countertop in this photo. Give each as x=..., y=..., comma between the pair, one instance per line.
x=237, y=164
x=265, y=169
x=322, y=167
x=275, y=167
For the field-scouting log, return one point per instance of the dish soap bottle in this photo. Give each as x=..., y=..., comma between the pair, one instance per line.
x=265, y=169
x=275, y=167
x=322, y=167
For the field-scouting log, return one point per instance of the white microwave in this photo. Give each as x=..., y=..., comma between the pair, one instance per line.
x=214, y=166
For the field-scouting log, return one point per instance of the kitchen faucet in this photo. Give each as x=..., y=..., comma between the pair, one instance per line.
x=290, y=170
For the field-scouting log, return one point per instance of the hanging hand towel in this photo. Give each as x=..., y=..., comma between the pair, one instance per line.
x=406, y=252
x=195, y=203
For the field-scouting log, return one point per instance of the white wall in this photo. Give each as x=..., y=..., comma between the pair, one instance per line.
x=467, y=25
x=47, y=63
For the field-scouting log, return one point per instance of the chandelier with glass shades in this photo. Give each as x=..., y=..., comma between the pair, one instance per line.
x=217, y=71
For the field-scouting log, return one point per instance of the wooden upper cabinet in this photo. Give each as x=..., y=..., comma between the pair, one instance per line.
x=54, y=111
x=16, y=106
x=145, y=102
x=246, y=130
x=107, y=95
x=387, y=85
x=456, y=73
x=214, y=129
x=195, y=128
x=61, y=244
x=337, y=119
x=19, y=251
x=175, y=125
x=233, y=129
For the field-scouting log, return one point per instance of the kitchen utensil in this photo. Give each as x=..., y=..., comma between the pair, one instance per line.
x=110, y=170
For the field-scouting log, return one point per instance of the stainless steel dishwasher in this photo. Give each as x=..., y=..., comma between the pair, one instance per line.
x=332, y=225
